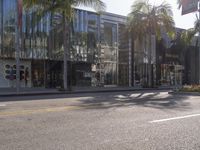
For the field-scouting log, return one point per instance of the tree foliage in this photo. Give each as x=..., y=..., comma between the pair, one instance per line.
x=150, y=19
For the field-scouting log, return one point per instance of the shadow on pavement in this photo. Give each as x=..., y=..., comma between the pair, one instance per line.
x=153, y=99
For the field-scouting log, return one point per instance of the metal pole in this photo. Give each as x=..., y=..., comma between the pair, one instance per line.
x=130, y=62
x=17, y=56
x=198, y=43
x=1, y=21
x=117, y=55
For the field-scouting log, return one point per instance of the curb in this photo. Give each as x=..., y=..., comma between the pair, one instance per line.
x=185, y=93
x=79, y=92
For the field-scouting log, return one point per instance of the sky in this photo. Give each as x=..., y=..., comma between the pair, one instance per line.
x=122, y=7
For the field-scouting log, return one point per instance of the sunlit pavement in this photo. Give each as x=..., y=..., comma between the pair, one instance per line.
x=119, y=120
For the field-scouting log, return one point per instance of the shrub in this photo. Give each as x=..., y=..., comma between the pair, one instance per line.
x=191, y=88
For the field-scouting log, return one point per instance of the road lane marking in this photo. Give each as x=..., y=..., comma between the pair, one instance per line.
x=36, y=111
x=175, y=118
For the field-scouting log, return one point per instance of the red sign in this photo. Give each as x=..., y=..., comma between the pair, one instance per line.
x=189, y=6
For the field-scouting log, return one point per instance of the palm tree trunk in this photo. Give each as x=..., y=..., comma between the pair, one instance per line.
x=65, y=42
x=149, y=61
x=133, y=60
x=147, y=56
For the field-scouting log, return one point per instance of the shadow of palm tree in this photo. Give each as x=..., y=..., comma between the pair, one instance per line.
x=153, y=100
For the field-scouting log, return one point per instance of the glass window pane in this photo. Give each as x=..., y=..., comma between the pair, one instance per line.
x=9, y=11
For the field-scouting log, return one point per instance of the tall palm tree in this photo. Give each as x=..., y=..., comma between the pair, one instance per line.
x=66, y=9
x=146, y=20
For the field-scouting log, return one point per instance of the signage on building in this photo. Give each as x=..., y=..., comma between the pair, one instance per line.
x=172, y=56
x=10, y=72
x=189, y=6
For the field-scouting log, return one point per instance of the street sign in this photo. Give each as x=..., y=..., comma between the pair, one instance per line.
x=189, y=6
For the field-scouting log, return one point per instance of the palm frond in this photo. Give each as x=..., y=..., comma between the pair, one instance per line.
x=64, y=7
x=98, y=5
x=149, y=19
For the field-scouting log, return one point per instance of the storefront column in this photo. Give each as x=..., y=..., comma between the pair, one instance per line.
x=17, y=56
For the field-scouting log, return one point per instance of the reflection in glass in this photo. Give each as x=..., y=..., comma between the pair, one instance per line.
x=8, y=9
x=110, y=49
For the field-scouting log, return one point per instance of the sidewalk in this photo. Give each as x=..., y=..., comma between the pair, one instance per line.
x=75, y=90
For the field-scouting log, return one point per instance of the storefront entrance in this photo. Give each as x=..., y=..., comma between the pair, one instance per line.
x=54, y=74
x=171, y=75
x=110, y=74
x=38, y=73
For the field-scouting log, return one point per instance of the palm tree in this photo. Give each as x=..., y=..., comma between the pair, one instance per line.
x=66, y=9
x=146, y=21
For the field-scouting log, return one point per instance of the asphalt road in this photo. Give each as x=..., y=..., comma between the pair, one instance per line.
x=151, y=120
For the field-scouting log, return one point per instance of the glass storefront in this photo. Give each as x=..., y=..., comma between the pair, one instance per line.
x=7, y=25
x=110, y=53
x=124, y=56
x=41, y=45
x=98, y=54
x=93, y=54
x=85, y=52
x=38, y=73
x=140, y=64
x=171, y=74
x=54, y=73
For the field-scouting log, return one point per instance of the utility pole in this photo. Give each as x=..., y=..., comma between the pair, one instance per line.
x=17, y=52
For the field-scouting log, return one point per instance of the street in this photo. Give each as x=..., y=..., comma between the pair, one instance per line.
x=149, y=120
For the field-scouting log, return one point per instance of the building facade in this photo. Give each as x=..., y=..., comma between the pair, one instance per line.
x=95, y=55
x=101, y=53
x=170, y=62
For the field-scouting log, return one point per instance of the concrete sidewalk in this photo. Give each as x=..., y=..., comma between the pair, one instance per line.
x=45, y=91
